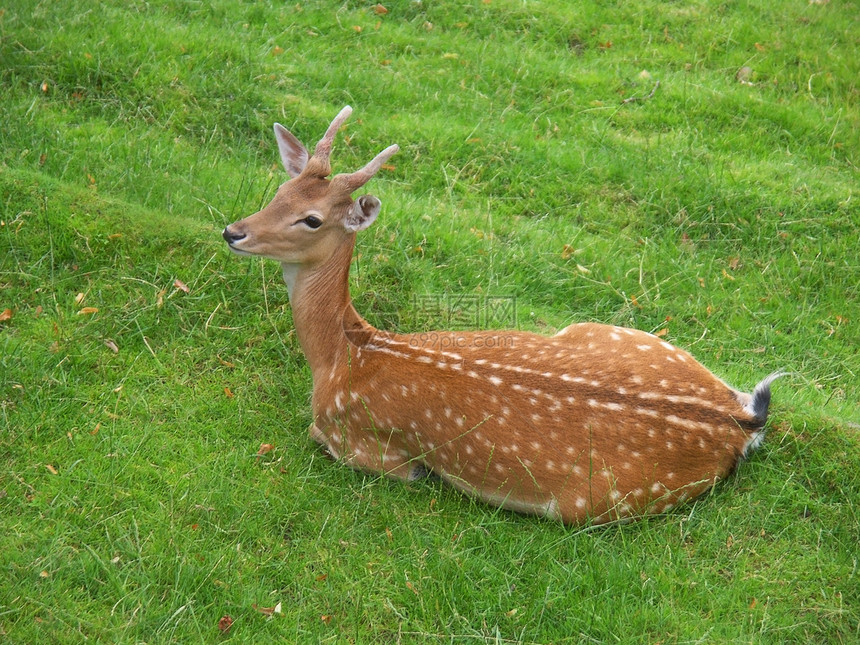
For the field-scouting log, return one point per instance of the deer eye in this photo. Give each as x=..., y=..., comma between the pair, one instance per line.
x=312, y=221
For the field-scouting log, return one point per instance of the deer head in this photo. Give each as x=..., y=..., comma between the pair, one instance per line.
x=310, y=215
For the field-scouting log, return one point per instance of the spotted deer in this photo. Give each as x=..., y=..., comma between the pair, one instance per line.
x=596, y=423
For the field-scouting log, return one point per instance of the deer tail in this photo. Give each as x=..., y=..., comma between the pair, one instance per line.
x=757, y=406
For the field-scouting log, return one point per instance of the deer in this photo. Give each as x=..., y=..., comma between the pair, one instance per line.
x=595, y=424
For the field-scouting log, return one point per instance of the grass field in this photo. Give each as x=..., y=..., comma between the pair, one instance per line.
x=684, y=168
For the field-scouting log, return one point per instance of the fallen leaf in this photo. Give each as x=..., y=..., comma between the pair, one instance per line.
x=380, y=10
x=5, y=315
x=224, y=624
x=79, y=298
x=95, y=430
x=726, y=275
x=759, y=46
x=356, y=28
x=567, y=251
x=511, y=613
x=325, y=618
x=226, y=363
x=268, y=611
x=661, y=332
x=86, y=311
x=685, y=239
x=51, y=469
x=44, y=574
x=411, y=587
x=450, y=56
x=388, y=166
x=276, y=50
x=734, y=262
x=112, y=346
x=265, y=448
x=228, y=393
x=179, y=284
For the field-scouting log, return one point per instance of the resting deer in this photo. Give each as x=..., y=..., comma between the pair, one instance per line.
x=595, y=423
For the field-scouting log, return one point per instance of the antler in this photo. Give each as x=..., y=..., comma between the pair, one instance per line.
x=355, y=180
x=320, y=165
x=323, y=149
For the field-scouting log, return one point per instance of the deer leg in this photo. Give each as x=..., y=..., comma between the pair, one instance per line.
x=373, y=457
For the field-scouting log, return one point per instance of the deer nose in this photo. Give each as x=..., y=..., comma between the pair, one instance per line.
x=230, y=237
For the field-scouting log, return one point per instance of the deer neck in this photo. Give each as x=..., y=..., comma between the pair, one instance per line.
x=322, y=309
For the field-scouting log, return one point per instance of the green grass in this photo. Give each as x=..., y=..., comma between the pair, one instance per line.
x=133, y=507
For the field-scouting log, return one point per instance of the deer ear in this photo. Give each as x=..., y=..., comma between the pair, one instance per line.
x=293, y=153
x=362, y=213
